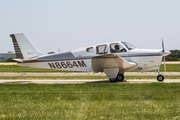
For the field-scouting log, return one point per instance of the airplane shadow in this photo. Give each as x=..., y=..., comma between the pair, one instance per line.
x=18, y=82
x=107, y=81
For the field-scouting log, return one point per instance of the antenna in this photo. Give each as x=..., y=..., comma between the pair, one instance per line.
x=58, y=50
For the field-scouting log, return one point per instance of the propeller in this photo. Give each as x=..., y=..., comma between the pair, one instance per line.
x=164, y=53
x=163, y=50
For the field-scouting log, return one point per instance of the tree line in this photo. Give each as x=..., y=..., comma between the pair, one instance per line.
x=174, y=56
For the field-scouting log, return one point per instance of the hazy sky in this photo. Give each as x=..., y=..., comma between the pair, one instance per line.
x=71, y=24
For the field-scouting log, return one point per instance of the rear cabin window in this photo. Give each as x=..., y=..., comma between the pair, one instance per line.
x=102, y=49
x=90, y=49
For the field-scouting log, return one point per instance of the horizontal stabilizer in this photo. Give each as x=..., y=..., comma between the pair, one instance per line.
x=25, y=60
x=18, y=60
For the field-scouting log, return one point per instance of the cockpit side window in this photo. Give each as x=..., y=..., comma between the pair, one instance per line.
x=101, y=49
x=90, y=49
x=117, y=48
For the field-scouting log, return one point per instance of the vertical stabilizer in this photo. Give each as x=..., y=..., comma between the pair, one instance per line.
x=23, y=47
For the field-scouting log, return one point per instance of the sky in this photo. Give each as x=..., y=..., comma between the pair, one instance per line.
x=69, y=24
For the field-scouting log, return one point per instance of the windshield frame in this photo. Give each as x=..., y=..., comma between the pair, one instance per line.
x=129, y=46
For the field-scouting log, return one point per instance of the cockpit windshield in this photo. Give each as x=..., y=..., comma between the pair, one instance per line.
x=128, y=45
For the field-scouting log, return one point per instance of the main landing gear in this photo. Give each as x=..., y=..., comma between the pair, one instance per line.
x=160, y=77
x=120, y=77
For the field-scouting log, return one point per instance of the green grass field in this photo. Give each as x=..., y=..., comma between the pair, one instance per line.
x=16, y=68
x=90, y=101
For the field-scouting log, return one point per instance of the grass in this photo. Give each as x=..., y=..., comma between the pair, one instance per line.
x=90, y=101
x=79, y=77
x=16, y=68
x=171, y=68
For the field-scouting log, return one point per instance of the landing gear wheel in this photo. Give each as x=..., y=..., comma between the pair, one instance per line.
x=120, y=77
x=160, y=78
x=112, y=79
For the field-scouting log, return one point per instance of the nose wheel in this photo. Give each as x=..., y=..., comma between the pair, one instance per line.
x=160, y=77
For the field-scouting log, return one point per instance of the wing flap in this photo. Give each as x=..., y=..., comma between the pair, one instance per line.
x=110, y=61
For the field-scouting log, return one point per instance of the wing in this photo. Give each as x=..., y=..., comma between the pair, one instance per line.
x=110, y=61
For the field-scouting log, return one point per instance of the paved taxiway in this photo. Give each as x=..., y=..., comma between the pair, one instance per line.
x=87, y=81
x=85, y=74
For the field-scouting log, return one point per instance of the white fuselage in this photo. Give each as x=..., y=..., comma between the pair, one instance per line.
x=111, y=58
x=81, y=59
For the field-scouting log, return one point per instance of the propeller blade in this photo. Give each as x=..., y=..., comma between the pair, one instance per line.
x=164, y=63
x=163, y=46
x=163, y=52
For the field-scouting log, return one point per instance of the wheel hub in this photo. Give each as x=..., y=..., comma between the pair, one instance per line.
x=119, y=78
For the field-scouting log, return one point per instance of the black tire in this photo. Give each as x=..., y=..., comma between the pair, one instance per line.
x=112, y=79
x=120, y=77
x=160, y=78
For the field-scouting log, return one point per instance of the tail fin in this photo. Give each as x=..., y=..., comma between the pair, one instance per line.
x=23, y=47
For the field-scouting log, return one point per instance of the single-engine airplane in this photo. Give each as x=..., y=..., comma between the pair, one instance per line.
x=111, y=58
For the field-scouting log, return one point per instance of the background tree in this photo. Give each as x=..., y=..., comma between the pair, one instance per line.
x=51, y=52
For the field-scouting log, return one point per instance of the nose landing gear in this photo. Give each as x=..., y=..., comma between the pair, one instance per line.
x=160, y=77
